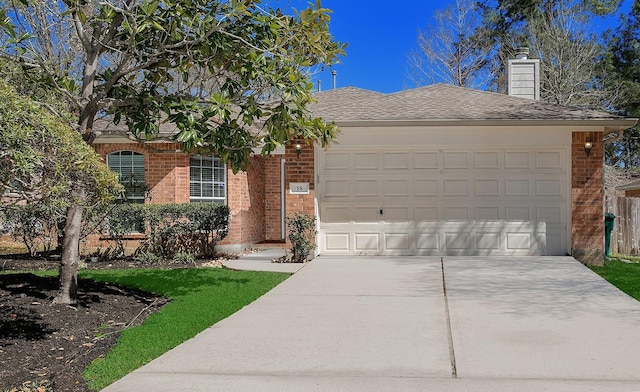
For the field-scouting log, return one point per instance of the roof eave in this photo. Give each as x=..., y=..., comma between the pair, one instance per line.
x=609, y=124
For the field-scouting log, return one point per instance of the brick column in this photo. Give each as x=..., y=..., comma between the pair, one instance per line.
x=300, y=169
x=245, y=198
x=587, y=198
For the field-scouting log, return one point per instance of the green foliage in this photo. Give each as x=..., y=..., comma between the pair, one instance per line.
x=199, y=298
x=42, y=158
x=147, y=258
x=193, y=229
x=625, y=276
x=302, y=234
x=623, y=69
x=184, y=258
x=215, y=77
x=34, y=224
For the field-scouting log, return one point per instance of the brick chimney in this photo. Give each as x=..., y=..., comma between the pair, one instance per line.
x=523, y=75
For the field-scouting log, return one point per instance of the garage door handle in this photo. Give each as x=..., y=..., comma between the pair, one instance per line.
x=381, y=211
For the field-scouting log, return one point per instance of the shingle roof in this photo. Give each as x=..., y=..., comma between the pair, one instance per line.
x=440, y=102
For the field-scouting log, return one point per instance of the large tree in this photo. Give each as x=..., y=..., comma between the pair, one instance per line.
x=42, y=159
x=231, y=75
x=452, y=50
x=557, y=32
x=623, y=67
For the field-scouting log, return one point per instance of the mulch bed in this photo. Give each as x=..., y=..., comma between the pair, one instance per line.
x=49, y=345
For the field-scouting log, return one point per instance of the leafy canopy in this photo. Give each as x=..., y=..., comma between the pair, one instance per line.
x=219, y=76
x=41, y=157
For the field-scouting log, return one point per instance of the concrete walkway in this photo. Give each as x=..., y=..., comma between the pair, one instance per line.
x=394, y=324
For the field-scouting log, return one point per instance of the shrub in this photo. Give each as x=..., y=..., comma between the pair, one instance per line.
x=302, y=234
x=184, y=258
x=34, y=224
x=171, y=229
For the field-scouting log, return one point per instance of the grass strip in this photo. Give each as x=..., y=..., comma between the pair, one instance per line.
x=199, y=298
x=625, y=276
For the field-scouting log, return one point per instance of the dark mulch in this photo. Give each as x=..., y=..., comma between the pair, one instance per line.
x=46, y=344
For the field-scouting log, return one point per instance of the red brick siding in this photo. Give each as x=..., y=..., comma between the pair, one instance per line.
x=245, y=197
x=166, y=173
x=300, y=169
x=587, y=198
x=273, y=200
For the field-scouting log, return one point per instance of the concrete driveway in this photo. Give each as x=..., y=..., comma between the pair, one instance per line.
x=394, y=324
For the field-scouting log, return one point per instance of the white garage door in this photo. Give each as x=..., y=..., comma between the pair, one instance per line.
x=443, y=201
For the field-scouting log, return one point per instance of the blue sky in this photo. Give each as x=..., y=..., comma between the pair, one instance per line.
x=381, y=34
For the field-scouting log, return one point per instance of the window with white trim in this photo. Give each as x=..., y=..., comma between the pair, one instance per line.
x=130, y=168
x=208, y=177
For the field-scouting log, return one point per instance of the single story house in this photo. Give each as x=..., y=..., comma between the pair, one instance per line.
x=437, y=170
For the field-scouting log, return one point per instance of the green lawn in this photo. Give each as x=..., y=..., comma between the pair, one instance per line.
x=199, y=299
x=625, y=276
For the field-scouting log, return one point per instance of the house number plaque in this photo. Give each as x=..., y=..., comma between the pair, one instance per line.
x=299, y=188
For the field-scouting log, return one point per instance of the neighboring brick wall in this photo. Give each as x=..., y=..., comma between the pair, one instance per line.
x=273, y=198
x=632, y=193
x=300, y=169
x=587, y=199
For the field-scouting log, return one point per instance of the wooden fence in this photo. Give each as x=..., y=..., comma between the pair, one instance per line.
x=625, y=238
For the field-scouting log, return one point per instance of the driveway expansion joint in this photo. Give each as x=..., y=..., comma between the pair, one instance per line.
x=452, y=353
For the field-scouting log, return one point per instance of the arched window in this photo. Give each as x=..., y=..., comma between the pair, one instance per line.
x=130, y=168
x=207, y=177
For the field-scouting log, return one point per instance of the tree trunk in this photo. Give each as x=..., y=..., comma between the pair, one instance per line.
x=68, y=293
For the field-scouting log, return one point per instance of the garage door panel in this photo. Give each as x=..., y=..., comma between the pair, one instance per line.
x=366, y=242
x=486, y=187
x=426, y=187
x=488, y=241
x=426, y=160
x=428, y=241
x=518, y=187
x=456, y=187
x=397, y=241
x=337, y=242
x=396, y=188
x=366, y=214
x=548, y=187
x=458, y=213
x=336, y=215
x=365, y=188
x=335, y=188
x=426, y=214
x=518, y=241
x=519, y=213
x=486, y=160
x=439, y=202
x=397, y=214
x=456, y=160
x=395, y=161
x=517, y=160
x=549, y=160
x=335, y=161
x=487, y=213
x=549, y=214
x=457, y=240
x=366, y=161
